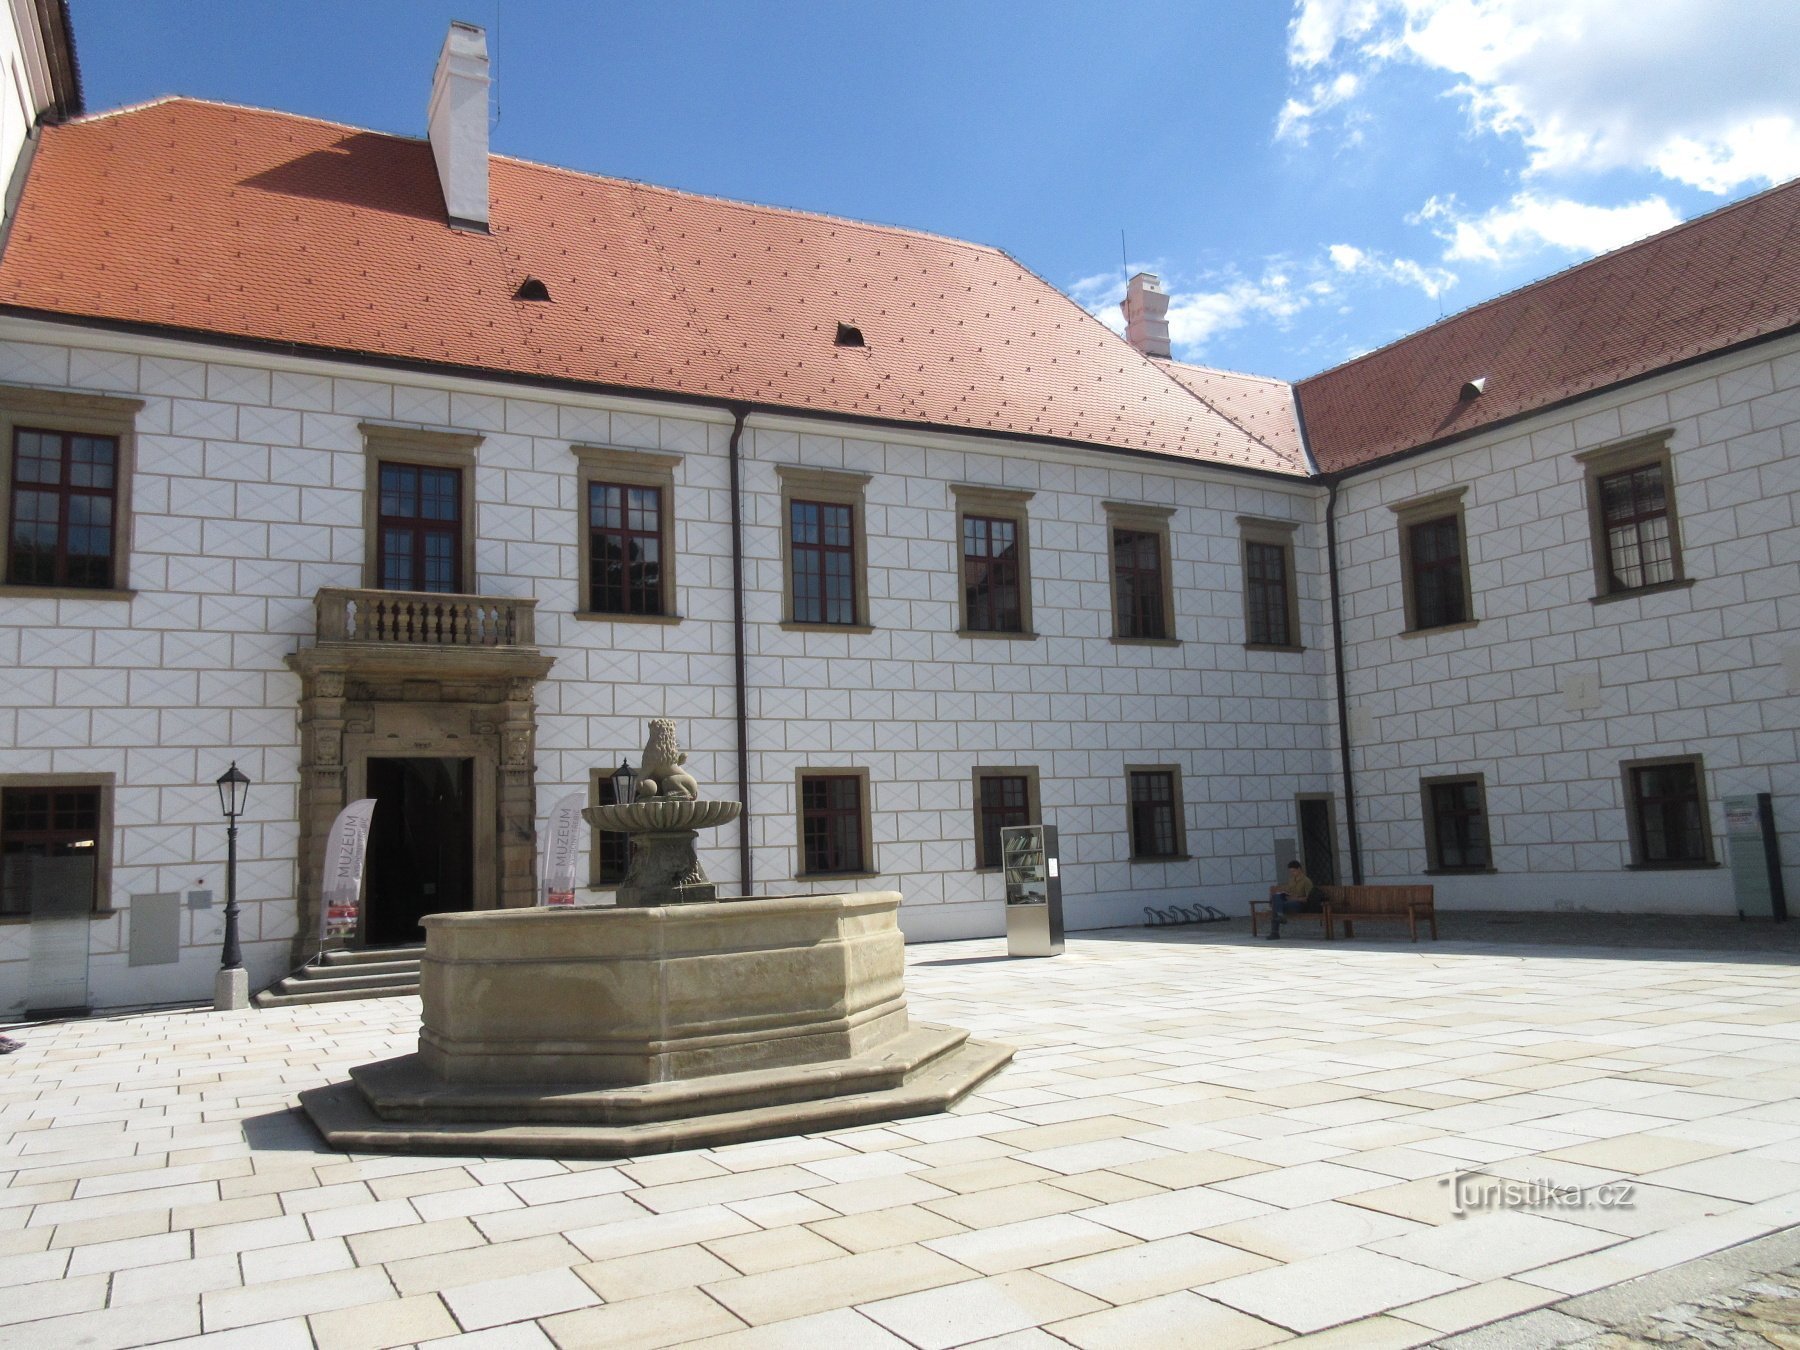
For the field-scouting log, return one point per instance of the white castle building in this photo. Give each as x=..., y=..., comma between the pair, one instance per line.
x=389, y=467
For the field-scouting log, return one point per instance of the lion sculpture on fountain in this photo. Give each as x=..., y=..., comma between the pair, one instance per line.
x=662, y=775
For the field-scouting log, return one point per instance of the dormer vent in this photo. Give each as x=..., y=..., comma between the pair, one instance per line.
x=532, y=289
x=849, y=335
x=457, y=119
x=1472, y=388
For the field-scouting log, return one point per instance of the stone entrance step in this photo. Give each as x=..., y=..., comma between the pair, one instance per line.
x=381, y=972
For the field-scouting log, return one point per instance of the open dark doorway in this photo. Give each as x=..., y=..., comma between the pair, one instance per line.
x=1318, y=840
x=421, y=846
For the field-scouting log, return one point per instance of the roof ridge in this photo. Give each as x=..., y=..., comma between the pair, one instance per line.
x=635, y=183
x=747, y=205
x=1557, y=275
x=1222, y=370
x=161, y=99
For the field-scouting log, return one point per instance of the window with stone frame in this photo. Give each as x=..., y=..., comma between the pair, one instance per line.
x=1003, y=797
x=625, y=549
x=1632, y=518
x=609, y=851
x=627, y=535
x=419, y=509
x=993, y=534
x=1139, y=560
x=1456, y=824
x=822, y=557
x=65, y=492
x=1434, y=564
x=1153, y=801
x=1665, y=804
x=825, y=549
x=419, y=528
x=1271, y=600
x=55, y=844
x=834, y=822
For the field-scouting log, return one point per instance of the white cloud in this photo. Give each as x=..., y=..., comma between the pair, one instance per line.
x=1433, y=281
x=1700, y=93
x=1530, y=222
x=1295, y=120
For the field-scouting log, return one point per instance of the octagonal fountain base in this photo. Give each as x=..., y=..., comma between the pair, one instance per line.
x=610, y=1032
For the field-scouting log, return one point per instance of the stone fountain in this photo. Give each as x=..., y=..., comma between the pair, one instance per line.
x=671, y=1020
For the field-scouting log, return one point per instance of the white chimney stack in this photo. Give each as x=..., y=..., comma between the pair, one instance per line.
x=1147, y=315
x=458, y=120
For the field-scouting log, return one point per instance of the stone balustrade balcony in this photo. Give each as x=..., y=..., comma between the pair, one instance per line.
x=423, y=619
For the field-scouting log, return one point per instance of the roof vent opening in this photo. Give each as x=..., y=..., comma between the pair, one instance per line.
x=532, y=289
x=1472, y=388
x=849, y=335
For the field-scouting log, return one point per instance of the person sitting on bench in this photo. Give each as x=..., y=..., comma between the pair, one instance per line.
x=1294, y=895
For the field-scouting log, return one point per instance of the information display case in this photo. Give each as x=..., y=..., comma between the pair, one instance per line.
x=1034, y=918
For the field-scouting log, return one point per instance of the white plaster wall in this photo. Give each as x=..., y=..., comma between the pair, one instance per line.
x=24, y=82
x=248, y=499
x=1693, y=671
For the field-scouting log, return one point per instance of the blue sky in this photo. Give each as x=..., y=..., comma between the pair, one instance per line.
x=1311, y=179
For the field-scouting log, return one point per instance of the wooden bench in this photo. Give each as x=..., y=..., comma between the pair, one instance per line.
x=1351, y=903
x=1267, y=907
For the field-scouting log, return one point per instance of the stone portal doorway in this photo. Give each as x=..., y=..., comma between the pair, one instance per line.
x=421, y=845
x=424, y=702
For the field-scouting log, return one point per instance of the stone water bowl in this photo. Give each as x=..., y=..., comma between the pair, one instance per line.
x=662, y=816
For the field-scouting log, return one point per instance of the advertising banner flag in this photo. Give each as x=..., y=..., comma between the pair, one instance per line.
x=345, y=848
x=562, y=852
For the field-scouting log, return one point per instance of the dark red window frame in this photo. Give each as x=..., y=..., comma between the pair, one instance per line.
x=1267, y=567
x=1153, y=833
x=993, y=602
x=419, y=528
x=1459, y=826
x=1640, y=538
x=63, y=525
x=823, y=541
x=612, y=848
x=1671, y=824
x=1139, y=584
x=47, y=822
x=625, y=548
x=831, y=824
x=1434, y=552
x=1003, y=799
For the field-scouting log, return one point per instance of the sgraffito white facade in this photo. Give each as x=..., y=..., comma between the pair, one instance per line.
x=248, y=497
x=1547, y=693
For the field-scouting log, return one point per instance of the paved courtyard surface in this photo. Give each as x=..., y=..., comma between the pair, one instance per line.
x=1204, y=1141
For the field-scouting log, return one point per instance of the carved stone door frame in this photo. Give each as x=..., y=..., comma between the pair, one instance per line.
x=372, y=700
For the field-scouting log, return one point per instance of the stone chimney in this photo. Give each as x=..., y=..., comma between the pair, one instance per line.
x=1147, y=315
x=458, y=120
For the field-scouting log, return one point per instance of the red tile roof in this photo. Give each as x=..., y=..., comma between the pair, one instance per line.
x=1261, y=405
x=234, y=222
x=1706, y=285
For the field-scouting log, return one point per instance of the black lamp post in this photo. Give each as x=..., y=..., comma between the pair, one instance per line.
x=624, y=781
x=234, y=791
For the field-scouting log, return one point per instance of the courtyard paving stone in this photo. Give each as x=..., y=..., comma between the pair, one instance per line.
x=1203, y=1140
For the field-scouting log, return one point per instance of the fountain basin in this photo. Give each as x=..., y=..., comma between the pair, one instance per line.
x=612, y=1032
x=662, y=816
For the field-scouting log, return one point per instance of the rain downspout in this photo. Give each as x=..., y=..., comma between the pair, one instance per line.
x=1343, y=698
x=739, y=411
